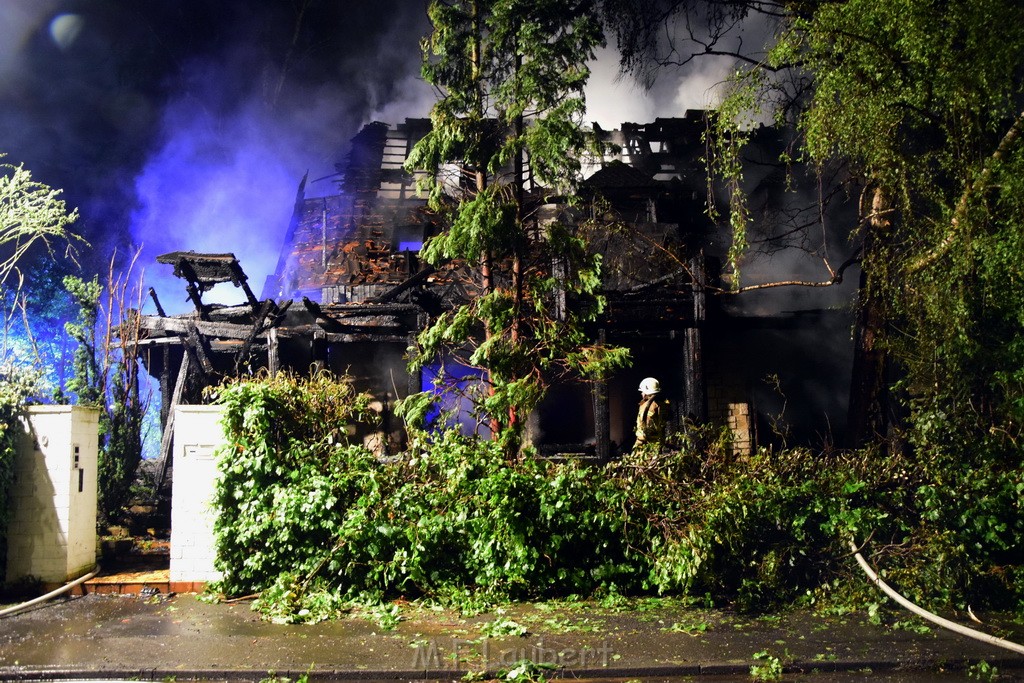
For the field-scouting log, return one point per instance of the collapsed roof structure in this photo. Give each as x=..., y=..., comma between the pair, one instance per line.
x=349, y=294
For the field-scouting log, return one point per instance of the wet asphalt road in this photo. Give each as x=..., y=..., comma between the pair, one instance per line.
x=131, y=637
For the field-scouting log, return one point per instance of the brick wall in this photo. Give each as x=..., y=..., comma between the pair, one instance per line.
x=729, y=405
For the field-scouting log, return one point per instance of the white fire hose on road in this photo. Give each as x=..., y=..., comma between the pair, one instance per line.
x=925, y=614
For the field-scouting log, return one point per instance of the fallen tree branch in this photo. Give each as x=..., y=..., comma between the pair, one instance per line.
x=960, y=213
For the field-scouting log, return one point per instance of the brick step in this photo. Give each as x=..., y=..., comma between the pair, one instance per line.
x=152, y=582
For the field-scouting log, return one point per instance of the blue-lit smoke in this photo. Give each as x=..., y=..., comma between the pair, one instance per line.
x=236, y=138
x=216, y=184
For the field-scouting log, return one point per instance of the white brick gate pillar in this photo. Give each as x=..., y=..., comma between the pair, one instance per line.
x=51, y=535
x=197, y=433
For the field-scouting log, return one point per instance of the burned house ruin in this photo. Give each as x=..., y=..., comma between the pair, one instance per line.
x=349, y=295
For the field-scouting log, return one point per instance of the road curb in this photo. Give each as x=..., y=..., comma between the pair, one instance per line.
x=709, y=669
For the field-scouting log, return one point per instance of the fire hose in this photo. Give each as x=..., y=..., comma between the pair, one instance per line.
x=930, y=616
x=52, y=594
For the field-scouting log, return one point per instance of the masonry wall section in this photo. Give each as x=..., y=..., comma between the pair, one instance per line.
x=197, y=434
x=52, y=531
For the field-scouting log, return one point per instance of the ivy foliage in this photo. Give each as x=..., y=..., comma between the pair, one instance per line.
x=314, y=523
x=289, y=470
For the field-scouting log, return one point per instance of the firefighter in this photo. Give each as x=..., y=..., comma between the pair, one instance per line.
x=650, y=417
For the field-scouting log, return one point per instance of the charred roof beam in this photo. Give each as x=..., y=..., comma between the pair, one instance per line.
x=203, y=271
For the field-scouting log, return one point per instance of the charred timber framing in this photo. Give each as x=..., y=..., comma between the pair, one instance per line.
x=259, y=324
x=351, y=260
x=362, y=328
x=214, y=341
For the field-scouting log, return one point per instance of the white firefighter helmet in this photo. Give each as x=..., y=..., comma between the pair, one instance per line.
x=650, y=386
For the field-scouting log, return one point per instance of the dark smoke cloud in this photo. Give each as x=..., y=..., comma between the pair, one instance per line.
x=187, y=124
x=232, y=148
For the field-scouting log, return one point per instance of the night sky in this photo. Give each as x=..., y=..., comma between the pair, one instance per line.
x=188, y=124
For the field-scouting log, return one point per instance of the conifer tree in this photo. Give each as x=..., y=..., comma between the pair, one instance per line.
x=505, y=142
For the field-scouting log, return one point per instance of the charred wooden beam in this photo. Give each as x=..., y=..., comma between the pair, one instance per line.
x=197, y=300
x=172, y=340
x=699, y=286
x=203, y=271
x=368, y=308
x=168, y=433
x=318, y=351
x=345, y=338
x=206, y=270
x=156, y=302
x=360, y=321
x=182, y=326
x=196, y=345
x=273, y=358
x=231, y=344
x=694, y=404
x=257, y=327
x=414, y=281
x=313, y=307
x=277, y=312
x=675, y=276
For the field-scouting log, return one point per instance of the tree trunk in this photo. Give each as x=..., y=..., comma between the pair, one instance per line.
x=517, y=257
x=480, y=174
x=868, y=390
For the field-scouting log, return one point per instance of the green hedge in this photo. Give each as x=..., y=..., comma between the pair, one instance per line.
x=311, y=520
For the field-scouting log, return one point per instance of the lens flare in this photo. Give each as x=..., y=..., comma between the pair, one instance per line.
x=65, y=28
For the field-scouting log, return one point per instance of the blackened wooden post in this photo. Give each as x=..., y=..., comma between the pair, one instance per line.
x=197, y=299
x=165, y=370
x=273, y=359
x=695, y=404
x=194, y=342
x=257, y=325
x=318, y=351
x=602, y=437
x=165, y=387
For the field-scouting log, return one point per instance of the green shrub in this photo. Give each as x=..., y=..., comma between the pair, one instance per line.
x=457, y=514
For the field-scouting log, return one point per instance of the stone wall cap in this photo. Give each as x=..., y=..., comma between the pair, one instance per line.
x=47, y=408
x=199, y=408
